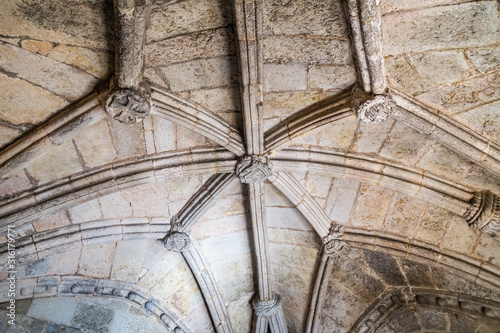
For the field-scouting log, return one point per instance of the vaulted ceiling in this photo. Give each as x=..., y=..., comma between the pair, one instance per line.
x=250, y=166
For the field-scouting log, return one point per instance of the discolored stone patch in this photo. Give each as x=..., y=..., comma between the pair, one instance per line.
x=386, y=267
x=93, y=317
x=418, y=275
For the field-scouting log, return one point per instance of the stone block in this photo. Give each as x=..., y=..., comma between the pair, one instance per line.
x=332, y=77
x=203, y=44
x=341, y=199
x=95, y=146
x=7, y=135
x=56, y=309
x=96, y=260
x=228, y=224
x=285, y=77
x=65, y=260
x=433, y=320
x=93, y=317
x=402, y=76
x=282, y=217
x=283, y=104
x=484, y=119
x=115, y=206
x=58, y=328
x=225, y=246
x=129, y=256
x=369, y=139
x=405, y=215
x=199, y=319
x=405, y=321
x=218, y=99
x=405, y=144
x=339, y=134
x=187, y=298
x=188, y=16
x=128, y=322
x=444, y=162
x=85, y=212
x=459, y=236
x=417, y=274
x=187, y=138
x=484, y=59
x=294, y=237
x=341, y=305
x=35, y=268
x=148, y=200
x=304, y=17
x=53, y=221
x=203, y=73
x=442, y=67
x=174, y=279
x=386, y=267
x=300, y=49
x=58, y=162
x=240, y=311
x=164, y=133
x=434, y=223
x=15, y=183
x=371, y=207
x=463, y=25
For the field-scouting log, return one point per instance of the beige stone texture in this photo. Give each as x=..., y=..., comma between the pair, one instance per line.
x=285, y=103
x=53, y=221
x=285, y=77
x=115, y=206
x=197, y=74
x=218, y=99
x=161, y=268
x=371, y=207
x=61, y=79
x=164, y=133
x=464, y=95
x=434, y=223
x=485, y=119
x=484, y=59
x=405, y=145
x=172, y=282
x=340, y=134
x=369, y=138
x=405, y=215
x=98, y=63
x=240, y=312
x=65, y=259
x=7, y=135
x=95, y=146
x=204, y=228
x=128, y=259
x=438, y=68
x=188, y=16
x=341, y=199
x=89, y=211
x=128, y=139
x=401, y=75
x=18, y=108
x=96, y=260
x=16, y=183
x=148, y=200
x=445, y=162
x=203, y=44
x=331, y=77
x=459, y=236
x=60, y=161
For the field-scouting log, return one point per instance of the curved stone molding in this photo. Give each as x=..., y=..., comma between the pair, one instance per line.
x=201, y=201
x=407, y=180
x=249, y=32
x=484, y=213
x=197, y=119
x=291, y=188
x=54, y=286
x=446, y=131
x=318, y=292
x=253, y=169
x=79, y=188
x=371, y=109
x=393, y=300
x=364, y=19
x=55, y=131
x=128, y=106
x=177, y=242
x=308, y=120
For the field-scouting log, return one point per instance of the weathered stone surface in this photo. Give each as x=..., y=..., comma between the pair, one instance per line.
x=331, y=77
x=405, y=144
x=462, y=25
x=88, y=211
x=463, y=95
x=58, y=328
x=197, y=74
x=95, y=62
x=115, y=206
x=484, y=59
x=95, y=146
x=128, y=139
x=282, y=49
x=65, y=259
x=128, y=259
x=440, y=67
x=389, y=6
x=417, y=274
x=432, y=320
x=287, y=103
x=8, y=134
x=405, y=215
x=35, y=268
x=127, y=322
x=402, y=75
x=93, y=317
x=371, y=207
x=53, y=221
x=59, y=78
x=484, y=119
x=286, y=217
x=18, y=108
x=341, y=305
x=341, y=199
x=445, y=162
x=285, y=77
x=340, y=134
x=204, y=44
x=405, y=321
x=83, y=23
x=304, y=17
x=434, y=223
x=369, y=139
x=188, y=16
x=60, y=161
x=386, y=267
x=459, y=236
x=96, y=260
x=148, y=200
x=240, y=311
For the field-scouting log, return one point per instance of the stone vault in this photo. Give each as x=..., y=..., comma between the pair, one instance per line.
x=250, y=166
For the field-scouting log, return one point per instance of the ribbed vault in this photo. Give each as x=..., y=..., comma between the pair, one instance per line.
x=250, y=166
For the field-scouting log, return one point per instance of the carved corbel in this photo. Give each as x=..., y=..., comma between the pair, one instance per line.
x=254, y=169
x=267, y=308
x=128, y=106
x=371, y=109
x=177, y=241
x=484, y=213
x=334, y=244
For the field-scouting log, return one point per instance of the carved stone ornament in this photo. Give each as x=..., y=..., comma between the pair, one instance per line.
x=267, y=308
x=177, y=242
x=128, y=106
x=371, y=109
x=484, y=213
x=253, y=169
x=334, y=245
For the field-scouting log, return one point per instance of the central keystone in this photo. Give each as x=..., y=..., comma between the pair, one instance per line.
x=253, y=169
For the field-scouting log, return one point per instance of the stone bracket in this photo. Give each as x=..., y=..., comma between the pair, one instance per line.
x=254, y=169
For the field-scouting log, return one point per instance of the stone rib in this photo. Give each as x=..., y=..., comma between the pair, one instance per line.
x=79, y=188
x=308, y=120
x=291, y=188
x=197, y=119
x=55, y=131
x=364, y=19
x=249, y=17
x=446, y=131
x=202, y=200
x=322, y=277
